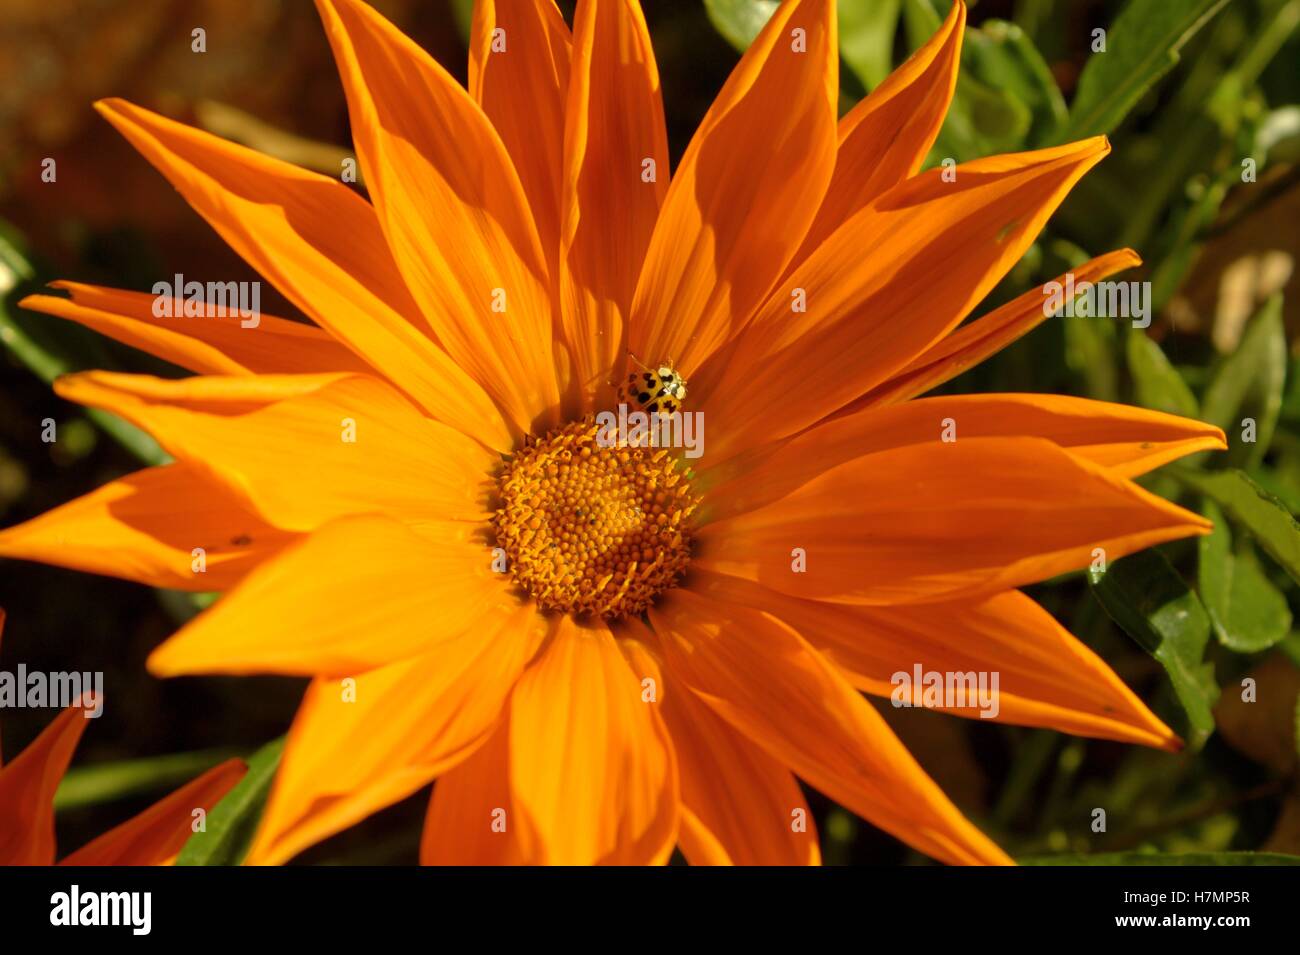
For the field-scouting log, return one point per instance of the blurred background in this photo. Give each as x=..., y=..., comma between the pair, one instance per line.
x=1188, y=90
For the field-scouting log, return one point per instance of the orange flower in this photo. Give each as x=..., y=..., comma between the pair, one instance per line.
x=154, y=837
x=672, y=641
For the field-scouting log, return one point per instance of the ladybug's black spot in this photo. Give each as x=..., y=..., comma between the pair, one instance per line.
x=653, y=407
x=631, y=377
x=643, y=397
x=648, y=377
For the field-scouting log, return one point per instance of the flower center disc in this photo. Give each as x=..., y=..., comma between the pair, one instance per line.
x=593, y=530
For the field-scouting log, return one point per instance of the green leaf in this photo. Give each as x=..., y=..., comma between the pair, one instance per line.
x=740, y=20
x=106, y=782
x=921, y=17
x=1182, y=237
x=1248, y=613
x=1156, y=382
x=1141, y=46
x=1279, y=134
x=1295, y=726
x=232, y=822
x=1002, y=55
x=999, y=122
x=462, y=12
x=866, y=32
x=1290, y=412
x=1150, y=602
x=1163, y=858
x=1249, y=384
x=1284, y=487
x=44, y=360
x=867, y=29
x=1253, y=508
x=1090, y=349
x=1090, y=345
x=1290, y=647
x=982, y=118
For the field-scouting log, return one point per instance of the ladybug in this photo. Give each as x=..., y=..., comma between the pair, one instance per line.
x=652, y=391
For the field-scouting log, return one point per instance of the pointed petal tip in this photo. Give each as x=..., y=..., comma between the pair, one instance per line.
x=62, y=383
x=167, y=662
x=1130, y=256
x=174, y=657
x=41, y=302
x=59, y=285
x=1150, y=731
x=1092, y=149
x=74, y=386
x=114, y=109
x=1095, y=148
x=162, y=663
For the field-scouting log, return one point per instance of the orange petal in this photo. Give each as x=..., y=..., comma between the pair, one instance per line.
x=471, y=818
x=320, y=244
x=408, y=722
x=745, y=192
x=885, y=138
x=155, y=836
x=972, y=343
x=452, y=208
x=291, y=459
x=767, y=682
x=593, y=778
x=892, y=280
x=940, y=521
x=1046, y=677
x=1128, y=441
x=360, y=592
x=739, y=806
x=27, y=786
x=210, y=345
x=148, y=527
x=522, y=89
x=615, y=122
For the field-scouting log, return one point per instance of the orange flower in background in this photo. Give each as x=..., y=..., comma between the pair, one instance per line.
x=602, y=653
x=154, y=837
